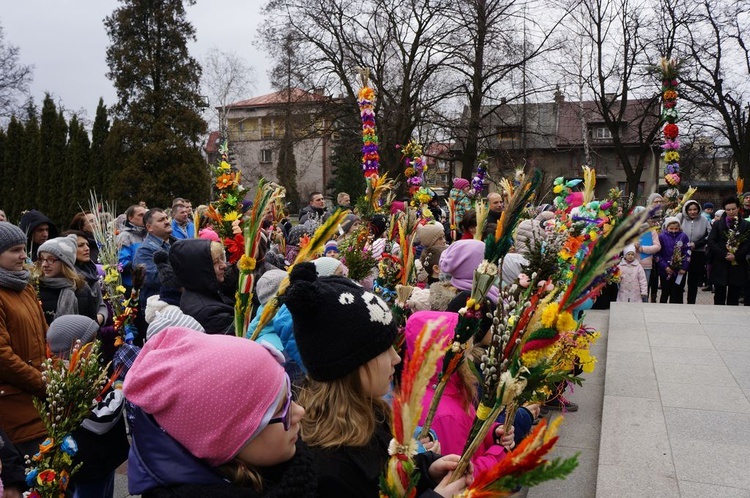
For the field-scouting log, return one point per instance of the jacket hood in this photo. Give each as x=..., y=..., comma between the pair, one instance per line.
x=192, y=262
x=156, y=460
x=685, y=208
x=33, y=219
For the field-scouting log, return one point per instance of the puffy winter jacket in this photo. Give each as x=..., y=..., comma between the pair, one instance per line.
x=192, y=263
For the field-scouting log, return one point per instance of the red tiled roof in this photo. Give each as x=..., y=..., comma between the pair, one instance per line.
x=280, y=97
x=212, y=144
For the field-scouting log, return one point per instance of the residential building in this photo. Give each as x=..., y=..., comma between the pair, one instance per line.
x=554, y=136
x=257, y=125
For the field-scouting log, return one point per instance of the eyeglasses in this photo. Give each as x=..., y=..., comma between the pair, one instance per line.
x=286, y=414
x=49, y=261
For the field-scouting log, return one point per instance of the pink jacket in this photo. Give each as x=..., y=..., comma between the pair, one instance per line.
x=451, y=423
x=633, y=283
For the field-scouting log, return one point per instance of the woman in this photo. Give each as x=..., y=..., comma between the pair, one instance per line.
x=22, y=346
x=62, y=290
x=200, y=265
x=84, y=222
x=88, y=270
x=696, y=227
x=345, y=337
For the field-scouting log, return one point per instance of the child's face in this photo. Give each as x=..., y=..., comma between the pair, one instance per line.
x=274, y=444
x=332, y=254
x=377, y=374
x=673, y=228
x=630, y=257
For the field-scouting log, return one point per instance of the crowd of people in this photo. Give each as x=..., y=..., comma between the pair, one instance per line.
x=303, y=410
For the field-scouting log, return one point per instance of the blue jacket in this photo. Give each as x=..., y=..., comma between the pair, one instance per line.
x=156, y=460
x=183, y=233
x=280, y=333
x=145, y=256
x=128, y=242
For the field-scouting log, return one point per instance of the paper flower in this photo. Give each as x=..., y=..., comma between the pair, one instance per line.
x=671, y=131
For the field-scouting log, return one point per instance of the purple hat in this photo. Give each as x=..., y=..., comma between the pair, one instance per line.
x=460, y=183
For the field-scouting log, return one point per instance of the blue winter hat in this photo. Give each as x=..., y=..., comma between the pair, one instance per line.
x=708, y=205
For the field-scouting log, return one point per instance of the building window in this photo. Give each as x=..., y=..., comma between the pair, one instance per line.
x=266, y=156
x=242, y=126
x=602, y=133
x=443, y=178
x=509, y=133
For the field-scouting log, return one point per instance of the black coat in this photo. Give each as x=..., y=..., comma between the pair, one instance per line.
x=202, y=298
x=29, y=222
x=355, y=471
x=723, y=272
x=87, y=303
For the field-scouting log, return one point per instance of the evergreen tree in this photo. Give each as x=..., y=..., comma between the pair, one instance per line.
x=51, y=166
x=30, y=173
x=100, y=171
x=3, y=196
x=286, y=171
x=157, y=84
x=13, y=172
x=346, y=166
x=77, y=169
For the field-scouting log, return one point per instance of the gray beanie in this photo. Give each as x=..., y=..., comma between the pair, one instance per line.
x=268, y=285
x=325, y=266
x=65, y=330
x=64, y=248
x=10, y=235
x=171, y=316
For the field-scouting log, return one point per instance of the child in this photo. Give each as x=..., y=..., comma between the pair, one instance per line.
x=102, y=442
x=332, y=249
x=633, y=282
x=673, y=260
x=214, y=417
x=345, y=336
x=455, y=413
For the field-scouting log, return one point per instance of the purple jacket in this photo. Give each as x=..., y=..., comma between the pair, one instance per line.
x=668, y=242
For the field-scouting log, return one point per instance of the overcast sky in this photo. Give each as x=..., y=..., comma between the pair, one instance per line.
x=66, y=42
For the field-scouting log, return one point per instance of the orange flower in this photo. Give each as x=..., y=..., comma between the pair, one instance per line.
x=224, y=181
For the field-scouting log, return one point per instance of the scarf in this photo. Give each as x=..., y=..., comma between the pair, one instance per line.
x=67, y=302
x=14, y=280
x=88, y=272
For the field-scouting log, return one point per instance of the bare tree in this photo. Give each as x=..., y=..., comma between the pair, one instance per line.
x=14, y=78
x=715, y=56
x=399, y=41
x=494, y=42
x=226, y=78
x=619, y=54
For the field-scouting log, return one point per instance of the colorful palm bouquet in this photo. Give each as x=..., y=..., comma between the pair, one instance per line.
x=356, y=254
x=735, y=239
x=72, y=388
x=400, y=477
x=670, y=70
x=226, y=211
x=266, y=194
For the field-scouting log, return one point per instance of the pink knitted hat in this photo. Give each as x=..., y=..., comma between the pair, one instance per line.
x=460, y=183
x=211, y=393
x=460, y=260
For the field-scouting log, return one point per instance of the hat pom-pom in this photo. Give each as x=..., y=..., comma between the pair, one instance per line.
x=161, y=257
x=303, y=272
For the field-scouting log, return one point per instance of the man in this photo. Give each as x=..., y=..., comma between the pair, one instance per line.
x=745, y=208
x=343, y=201
x=129, y=240
x=729, y=263
x=182, y=225
x=159, y=238
x=38, y=229
x=495, y=202
x=316, y=209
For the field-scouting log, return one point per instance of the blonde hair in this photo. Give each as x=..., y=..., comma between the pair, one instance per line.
x=339, y=413
x=242, y=475
x=66, y=272
x=217, y=250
